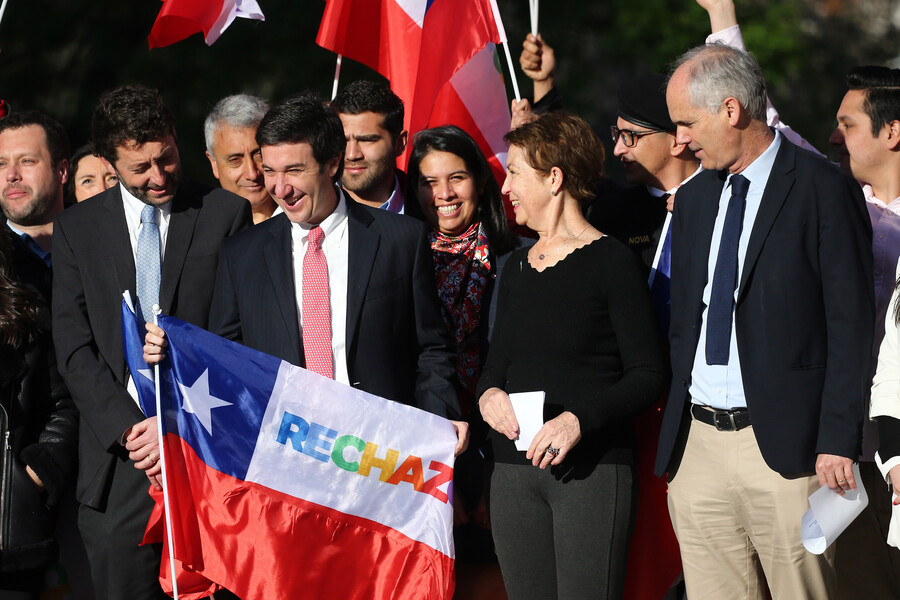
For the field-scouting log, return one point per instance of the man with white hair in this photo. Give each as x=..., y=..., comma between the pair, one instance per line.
x=771, y=328
x=230, y=132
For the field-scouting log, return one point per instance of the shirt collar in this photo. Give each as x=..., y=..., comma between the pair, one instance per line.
x=758, y=171
x=395, y=201
x=31, y=244
x=869, y=193
x=134, y=206
x=332, y=222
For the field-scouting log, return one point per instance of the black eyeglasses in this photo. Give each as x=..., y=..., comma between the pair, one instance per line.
x=629, y=137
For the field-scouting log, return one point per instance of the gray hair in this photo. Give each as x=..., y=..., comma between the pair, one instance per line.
x=240, y=110
x=717, y=71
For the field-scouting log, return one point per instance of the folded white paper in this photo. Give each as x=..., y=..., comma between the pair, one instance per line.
x=529, y=409
x=829, y=514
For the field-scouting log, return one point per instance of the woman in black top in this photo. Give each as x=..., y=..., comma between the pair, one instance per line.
x=576, y=322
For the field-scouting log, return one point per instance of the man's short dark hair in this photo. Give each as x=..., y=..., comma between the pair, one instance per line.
x=57, y=140
x=305, y=118
x=369, y=96
x=130, y=113
x=882, y=87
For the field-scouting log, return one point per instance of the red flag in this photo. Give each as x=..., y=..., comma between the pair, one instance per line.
x=179, y=19
x=416, y=44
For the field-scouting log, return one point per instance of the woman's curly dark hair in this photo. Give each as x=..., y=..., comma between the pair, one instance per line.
x=21, y=307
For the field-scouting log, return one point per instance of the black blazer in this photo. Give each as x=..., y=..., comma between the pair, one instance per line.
x=93, y=264
x=804, y=317
x=397, y=345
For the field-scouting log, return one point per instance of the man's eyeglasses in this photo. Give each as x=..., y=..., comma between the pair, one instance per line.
x=629, y=137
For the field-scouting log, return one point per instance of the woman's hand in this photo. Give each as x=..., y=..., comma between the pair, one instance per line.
x=497, y=411
x=561, y=434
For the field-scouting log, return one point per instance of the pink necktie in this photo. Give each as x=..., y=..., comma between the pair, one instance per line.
x=316, y=307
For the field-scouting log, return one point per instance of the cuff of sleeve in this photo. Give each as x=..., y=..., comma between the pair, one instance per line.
x=730, y=36
x=885, y=467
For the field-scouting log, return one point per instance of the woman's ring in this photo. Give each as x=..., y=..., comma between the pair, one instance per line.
x=841, y=480
x=552, y=451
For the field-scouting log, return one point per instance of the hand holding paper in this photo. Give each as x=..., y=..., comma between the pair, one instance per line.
x=830, y=513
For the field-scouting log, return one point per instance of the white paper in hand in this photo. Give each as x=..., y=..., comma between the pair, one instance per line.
x=829, y=514
x=529, y=409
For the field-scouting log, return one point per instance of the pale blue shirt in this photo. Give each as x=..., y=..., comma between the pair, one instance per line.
x=721, y=386
x=395, y=203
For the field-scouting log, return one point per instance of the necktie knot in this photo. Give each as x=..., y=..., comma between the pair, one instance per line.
x=149, y=215
x=739, y=186
x=316, y=237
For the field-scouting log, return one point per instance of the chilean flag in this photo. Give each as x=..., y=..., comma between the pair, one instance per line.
x=419, y=46
x=285, y=484
x=179, y=19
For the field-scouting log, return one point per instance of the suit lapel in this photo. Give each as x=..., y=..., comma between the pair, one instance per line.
x=781, y=179
x=701, y=221
x=119, y=243
x=181, y=231
x=363, y=246
x=277, y=255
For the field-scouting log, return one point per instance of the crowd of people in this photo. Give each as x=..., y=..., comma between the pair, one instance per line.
x=736, y=263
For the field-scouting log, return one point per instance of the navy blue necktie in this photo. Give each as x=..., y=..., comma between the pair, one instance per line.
x=725, y=277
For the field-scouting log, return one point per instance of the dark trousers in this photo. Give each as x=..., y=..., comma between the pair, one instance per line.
x=120, y=567
x=562, y=538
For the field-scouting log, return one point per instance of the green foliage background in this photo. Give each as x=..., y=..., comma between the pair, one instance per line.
x=59, y=56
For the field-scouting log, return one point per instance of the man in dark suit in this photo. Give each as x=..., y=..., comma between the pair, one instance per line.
x=772, y=320
x=367, y=313
x=96, y=246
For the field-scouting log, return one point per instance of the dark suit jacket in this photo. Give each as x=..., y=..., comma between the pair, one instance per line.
x=397, y=346
x=30, y=267
x=804, y=316
x=93, y=264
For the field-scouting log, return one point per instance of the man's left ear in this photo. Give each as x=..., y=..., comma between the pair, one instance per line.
x=400, y=143
x=62, y=170
x=893, y=135
x=331, y=166
x=733, y=109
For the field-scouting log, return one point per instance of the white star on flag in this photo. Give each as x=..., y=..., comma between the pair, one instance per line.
x=199, y=402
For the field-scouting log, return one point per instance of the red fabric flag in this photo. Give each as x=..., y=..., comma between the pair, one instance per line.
x=179, y=19
x=418, y=45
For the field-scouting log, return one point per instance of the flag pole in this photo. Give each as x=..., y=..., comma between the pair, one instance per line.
x=533, y=6
x=337, y=74
x=3, y=9
x=502, y=34
x=162, y=459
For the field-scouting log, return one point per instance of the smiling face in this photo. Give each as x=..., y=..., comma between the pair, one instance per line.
x=302, y=187
x=529, y=190
x=708, y=135
x=151, y=172
x=371, y=155
x=30, y=184
x=92, y=176
x=447, y=192
x=235, y=162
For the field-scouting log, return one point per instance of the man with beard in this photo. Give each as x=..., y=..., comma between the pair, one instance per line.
x=372, y=117
x=156, y=236
x=34, y=168
x=230, y=133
